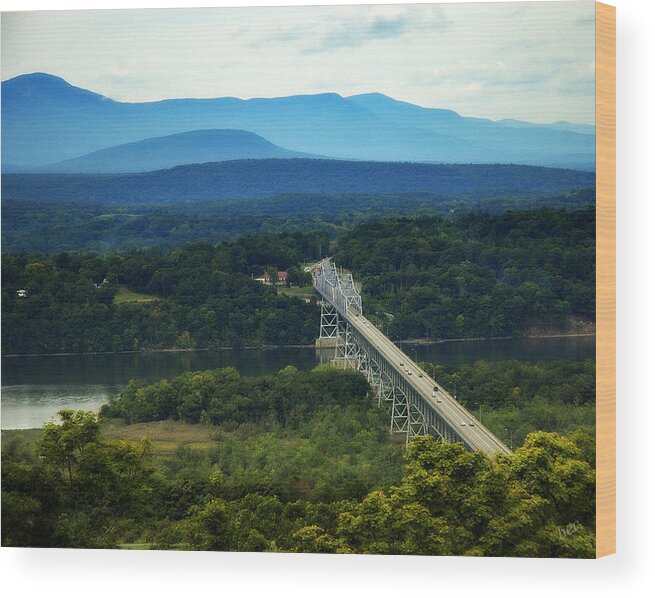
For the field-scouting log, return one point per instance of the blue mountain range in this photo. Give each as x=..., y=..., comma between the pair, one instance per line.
x=156, y=153
x=46, y=123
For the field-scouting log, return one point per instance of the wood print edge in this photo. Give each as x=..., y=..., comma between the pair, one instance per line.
x=606, y=279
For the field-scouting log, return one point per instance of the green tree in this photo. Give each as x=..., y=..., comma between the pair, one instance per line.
x=314, y=539
x=210, y=527
x=537, y=502
x=103, y=484
x=272, y=275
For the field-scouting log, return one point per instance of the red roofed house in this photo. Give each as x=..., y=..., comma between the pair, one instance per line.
x=281, y=278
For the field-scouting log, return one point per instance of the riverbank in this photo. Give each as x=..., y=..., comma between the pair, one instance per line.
x=35, y=388
x=414, y=341
x=422, y=341
x=156, y=351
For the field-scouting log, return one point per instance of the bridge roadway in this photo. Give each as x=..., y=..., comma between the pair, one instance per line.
x=476, y=436
x=455, y=422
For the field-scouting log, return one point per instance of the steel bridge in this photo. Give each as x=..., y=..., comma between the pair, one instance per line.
x=418, y=405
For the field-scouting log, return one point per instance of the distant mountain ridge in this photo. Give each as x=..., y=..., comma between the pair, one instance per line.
x=46, y=120
x=241, y=179
x=157, y=153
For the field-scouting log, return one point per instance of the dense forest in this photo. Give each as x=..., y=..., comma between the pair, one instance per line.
x=557, y=396
x=515, y=398
x=43, y=226
x=425, y=277
x=197, y=296
x=224, y=397
x=477, y=275
x=297, y=462
x=239, y=179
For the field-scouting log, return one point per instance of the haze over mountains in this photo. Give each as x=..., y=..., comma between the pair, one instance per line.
x=48, y=122
x=209, y=145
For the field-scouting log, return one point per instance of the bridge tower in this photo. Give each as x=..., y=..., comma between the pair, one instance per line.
x=349, y=352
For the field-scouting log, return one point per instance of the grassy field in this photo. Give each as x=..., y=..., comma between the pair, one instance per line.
x=165, y=436
x=301, y=292
x=21, y=437
x=124, y=295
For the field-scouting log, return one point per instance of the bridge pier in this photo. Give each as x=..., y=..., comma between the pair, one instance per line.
x=326, y=343
x=405, y=418
x=344, y=364
x=329, y=326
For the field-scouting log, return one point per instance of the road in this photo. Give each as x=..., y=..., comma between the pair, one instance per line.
x=453, y=413
x=476, y=435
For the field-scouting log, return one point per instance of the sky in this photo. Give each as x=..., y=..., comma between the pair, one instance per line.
x=532, y=61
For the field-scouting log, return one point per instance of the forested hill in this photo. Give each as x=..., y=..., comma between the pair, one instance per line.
x=33, y=226
x=199, y=296
x=478, y=275
x=267, y=178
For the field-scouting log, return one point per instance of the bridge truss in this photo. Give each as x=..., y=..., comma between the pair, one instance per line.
x=359, y=345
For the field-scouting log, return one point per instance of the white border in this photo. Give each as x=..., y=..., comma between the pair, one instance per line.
x=629, y=573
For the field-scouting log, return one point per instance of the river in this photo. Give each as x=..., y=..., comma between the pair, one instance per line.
x=34, y=388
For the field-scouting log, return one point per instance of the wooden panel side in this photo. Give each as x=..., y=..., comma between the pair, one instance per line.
x=605, y=279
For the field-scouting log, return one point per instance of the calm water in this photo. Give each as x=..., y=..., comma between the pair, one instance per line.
x=35, y=388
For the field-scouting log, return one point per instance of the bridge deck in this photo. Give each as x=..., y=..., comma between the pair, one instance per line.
x=340, y=293
x=477, y=436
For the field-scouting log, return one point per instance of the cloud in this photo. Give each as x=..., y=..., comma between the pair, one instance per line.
x=532, y=61
x=355, y=35
x=368, y=24
x=383, y=28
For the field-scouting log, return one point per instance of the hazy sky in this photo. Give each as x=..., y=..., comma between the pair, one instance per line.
x=533, y=61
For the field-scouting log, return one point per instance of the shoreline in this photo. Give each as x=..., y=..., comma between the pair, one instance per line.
x=492, y=338
x=305, y=346
x=150, y=351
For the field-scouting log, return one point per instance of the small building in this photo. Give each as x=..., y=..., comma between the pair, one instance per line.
x=266, y=278
x=22, y=293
